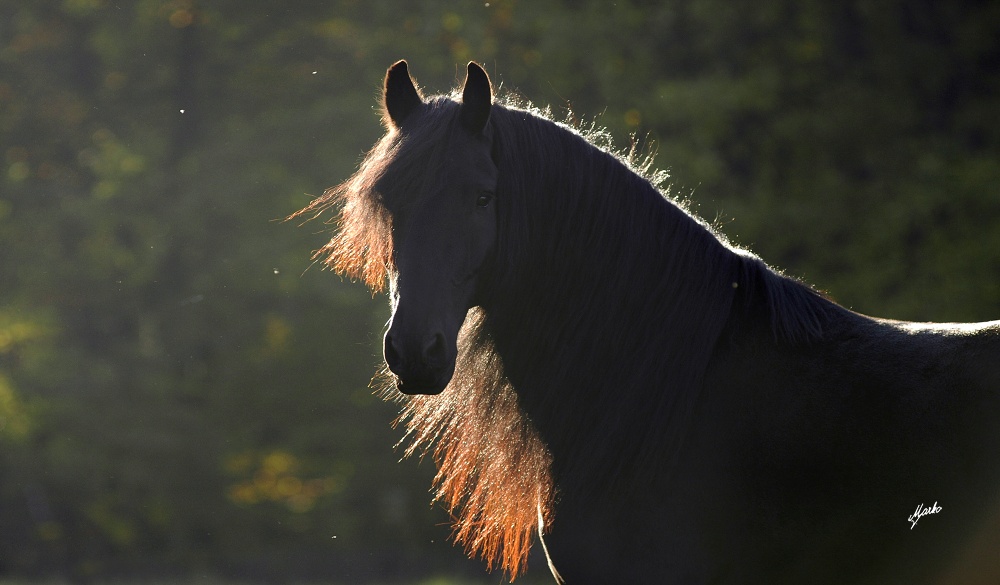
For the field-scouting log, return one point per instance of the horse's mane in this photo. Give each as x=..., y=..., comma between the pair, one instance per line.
x=495, y=471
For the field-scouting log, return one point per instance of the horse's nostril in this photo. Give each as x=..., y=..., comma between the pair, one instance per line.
x=436, y=352
x=391, y=354
x=404, y=361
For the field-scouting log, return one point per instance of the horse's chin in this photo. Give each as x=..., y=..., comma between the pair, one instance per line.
x=431, y=387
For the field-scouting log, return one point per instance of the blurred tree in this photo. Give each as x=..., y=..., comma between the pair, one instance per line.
x=160, y=326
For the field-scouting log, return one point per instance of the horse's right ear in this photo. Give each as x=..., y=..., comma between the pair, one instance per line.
x=399, y=96
x=477, y=99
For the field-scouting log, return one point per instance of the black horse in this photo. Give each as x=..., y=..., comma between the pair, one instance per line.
x=587, y=361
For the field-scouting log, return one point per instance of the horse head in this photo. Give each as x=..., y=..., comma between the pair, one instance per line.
x=442, y=224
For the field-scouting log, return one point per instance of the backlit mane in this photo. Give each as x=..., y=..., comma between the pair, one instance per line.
x=495, y=472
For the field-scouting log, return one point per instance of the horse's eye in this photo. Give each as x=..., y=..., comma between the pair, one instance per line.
x=484, y=198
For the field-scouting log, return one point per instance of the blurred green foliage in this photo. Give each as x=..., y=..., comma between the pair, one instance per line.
x=180, y=393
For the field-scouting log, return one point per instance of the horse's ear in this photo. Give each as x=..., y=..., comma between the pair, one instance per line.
x=477, y=99
x=399, y=96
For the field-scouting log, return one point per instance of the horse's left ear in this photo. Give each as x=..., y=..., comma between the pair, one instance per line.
x=477, y=99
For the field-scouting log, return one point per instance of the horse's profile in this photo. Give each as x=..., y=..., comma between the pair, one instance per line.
x=591, y=365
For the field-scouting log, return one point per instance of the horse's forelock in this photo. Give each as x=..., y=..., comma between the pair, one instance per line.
x=361, y=248
x=362, y=245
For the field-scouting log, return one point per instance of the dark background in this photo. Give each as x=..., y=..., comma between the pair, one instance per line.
x=182, y=394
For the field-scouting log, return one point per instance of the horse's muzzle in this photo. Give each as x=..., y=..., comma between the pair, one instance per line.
x=425, y=369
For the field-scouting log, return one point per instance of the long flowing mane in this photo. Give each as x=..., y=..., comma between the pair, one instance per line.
x=571, y=213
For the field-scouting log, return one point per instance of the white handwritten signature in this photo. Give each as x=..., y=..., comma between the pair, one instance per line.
x=921, y=512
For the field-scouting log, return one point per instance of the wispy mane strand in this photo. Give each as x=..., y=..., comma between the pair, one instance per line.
x=494, y=471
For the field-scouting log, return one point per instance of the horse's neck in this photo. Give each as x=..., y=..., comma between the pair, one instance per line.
x=612, y=321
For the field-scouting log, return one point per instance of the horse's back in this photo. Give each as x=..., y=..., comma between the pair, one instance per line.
x=965, y=534
x=848, y=435
x=805, y=461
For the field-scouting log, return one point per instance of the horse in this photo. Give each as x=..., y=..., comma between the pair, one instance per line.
x=594, y=368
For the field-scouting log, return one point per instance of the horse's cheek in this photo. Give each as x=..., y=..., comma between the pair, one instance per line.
x=486, y=235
